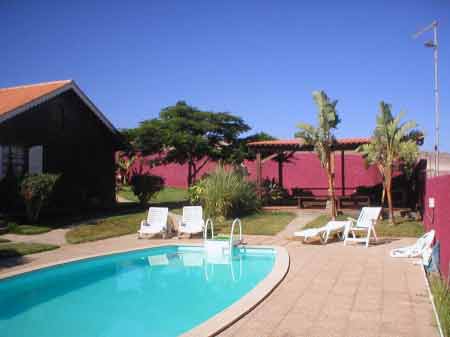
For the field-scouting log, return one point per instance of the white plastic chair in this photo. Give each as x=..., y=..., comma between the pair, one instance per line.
x=191, y=221
x=323, y=232
x=156, y=222
x=366, y=222
x=158, y=260
x=422, y=248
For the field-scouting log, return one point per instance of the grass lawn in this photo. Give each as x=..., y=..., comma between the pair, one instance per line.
x=2, y=240
x=106, y=228
x=403, y=227
x=167, y=195
x=13, y=249
x=261, y=223
x=441, y=294
x=15, y=228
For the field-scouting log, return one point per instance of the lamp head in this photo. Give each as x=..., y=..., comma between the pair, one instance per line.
x=430, y=44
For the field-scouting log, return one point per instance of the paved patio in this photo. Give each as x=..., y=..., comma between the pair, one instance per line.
x=329, y=290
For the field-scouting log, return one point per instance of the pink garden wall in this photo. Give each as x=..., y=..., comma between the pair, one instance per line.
x=438, y=218
x=304, y=171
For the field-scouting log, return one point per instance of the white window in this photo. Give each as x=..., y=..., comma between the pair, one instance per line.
x=35, y=158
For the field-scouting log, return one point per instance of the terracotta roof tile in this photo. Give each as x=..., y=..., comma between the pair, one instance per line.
x=15, y=97
x=300, y=142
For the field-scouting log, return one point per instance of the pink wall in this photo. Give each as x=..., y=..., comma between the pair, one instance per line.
x=304, y=171
x=175, y=175
x=439, y=217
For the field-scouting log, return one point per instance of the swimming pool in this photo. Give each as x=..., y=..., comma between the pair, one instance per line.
x=163, y=291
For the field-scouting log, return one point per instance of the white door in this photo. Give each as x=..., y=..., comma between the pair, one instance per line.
x=35, y=159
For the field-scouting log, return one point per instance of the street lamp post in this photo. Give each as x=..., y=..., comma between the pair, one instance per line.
x=434, y=44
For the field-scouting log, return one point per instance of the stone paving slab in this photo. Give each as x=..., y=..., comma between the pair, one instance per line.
x=337, y=290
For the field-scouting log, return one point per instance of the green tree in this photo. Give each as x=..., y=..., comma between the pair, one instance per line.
x=323, y=139
x=394, y=145
x=240, y=151
x=191, y=136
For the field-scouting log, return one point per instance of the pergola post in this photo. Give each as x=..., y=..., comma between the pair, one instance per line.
x=343, y=172
x=258, y=174
x=280, y=172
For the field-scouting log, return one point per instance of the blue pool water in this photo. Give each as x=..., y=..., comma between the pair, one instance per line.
x=163, y=291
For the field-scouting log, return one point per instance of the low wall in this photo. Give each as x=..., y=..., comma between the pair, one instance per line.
x=438, y=218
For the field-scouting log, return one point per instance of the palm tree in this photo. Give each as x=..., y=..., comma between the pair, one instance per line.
x=393, y=145
x=322, y=138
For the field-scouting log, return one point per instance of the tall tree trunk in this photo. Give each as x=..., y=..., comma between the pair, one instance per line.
x=189, y=177
x=331, y=192
x=383, y=183
x=193, y=173
x=388, y=177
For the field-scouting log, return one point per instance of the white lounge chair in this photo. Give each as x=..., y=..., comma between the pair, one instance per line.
x=422, y=248
x=156, y=222
x=365, y=223
x=158, y=260
x=191, y=221
x=323, y=232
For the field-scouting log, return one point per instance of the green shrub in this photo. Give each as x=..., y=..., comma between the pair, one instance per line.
x=225, y=193
x=272, y=192
x=145, y=186
x=35, y=190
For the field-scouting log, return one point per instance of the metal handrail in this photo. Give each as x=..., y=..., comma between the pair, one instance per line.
x=205, y=232
x=232, y=232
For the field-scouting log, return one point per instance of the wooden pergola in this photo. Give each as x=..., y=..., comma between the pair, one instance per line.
x=284, y=149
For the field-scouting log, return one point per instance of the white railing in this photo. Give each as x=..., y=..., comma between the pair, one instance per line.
x=237, y=220
x=205, y=232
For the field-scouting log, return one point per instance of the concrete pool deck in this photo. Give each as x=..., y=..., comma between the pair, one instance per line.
x=329, y=290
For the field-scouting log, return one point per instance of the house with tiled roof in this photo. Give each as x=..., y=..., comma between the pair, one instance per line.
x=55, y=128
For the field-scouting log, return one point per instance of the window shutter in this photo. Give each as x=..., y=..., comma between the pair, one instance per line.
x=35, y=158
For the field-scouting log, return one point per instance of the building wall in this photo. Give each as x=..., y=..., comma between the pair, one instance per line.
x=76, y=144
x=438, y=218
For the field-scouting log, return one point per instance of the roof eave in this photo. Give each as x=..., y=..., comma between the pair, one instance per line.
x=44, y=98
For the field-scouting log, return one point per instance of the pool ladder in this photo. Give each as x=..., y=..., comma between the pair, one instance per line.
x=225, y=249
x=231, y=243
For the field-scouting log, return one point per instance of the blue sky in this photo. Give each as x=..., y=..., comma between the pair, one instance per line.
x=258, y=59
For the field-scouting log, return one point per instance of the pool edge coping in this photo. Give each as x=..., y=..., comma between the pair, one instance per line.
x=222, y=320
x=230, y=315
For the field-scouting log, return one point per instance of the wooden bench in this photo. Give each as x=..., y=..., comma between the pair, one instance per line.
x=356, y=200
x=310, y=198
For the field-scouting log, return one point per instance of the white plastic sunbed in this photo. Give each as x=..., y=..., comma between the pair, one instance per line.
x=192, y=220
x=158, y=260
x=422, y=248
x=156, y=222
x=323, y=232
x=366, y=222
